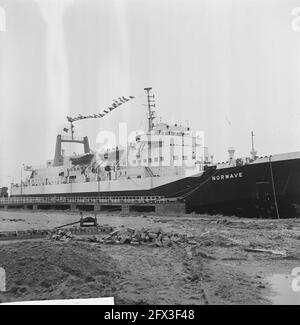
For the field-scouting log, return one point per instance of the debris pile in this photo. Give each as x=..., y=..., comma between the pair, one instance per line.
x=61, y=235
x=68, y=233
x=154, y=237
x=105, y=228
x=146, y=236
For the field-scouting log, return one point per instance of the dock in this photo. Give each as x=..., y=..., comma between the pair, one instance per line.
x=126, y=204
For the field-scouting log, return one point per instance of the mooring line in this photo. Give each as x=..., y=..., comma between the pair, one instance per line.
x=273, y=187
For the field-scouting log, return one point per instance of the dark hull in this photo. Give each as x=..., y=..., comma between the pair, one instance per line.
x=255, y=194
x=263, y=190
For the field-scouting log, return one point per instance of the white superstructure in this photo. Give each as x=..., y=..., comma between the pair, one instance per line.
x=163, y=154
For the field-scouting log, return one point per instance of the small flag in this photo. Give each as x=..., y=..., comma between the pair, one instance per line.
x=116, y=103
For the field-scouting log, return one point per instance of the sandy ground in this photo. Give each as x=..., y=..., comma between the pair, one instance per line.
x=220, y=269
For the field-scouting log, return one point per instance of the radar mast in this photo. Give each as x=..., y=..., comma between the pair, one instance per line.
x=151, y=105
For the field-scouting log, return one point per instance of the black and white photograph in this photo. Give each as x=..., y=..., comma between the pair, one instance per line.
x=150, y=154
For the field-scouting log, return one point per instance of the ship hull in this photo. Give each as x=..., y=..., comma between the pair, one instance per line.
x=270, y=189
x=262, y=190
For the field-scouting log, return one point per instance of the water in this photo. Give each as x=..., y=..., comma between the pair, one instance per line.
x=283, y=292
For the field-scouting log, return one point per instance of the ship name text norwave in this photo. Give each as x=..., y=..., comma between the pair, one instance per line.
x=227, y=176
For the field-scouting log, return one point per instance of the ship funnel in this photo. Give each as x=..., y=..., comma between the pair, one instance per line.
x=59, y=154
x=231, y=152
x=58, y=158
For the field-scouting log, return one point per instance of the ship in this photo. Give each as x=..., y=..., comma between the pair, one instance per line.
x=170, y=161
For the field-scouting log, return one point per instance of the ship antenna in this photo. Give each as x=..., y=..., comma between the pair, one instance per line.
x=72, y=130
x=151, y=105
x=253, y=151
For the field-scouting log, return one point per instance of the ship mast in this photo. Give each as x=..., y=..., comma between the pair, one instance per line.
x=151, y=105
x=253, y=151
x=72, y=130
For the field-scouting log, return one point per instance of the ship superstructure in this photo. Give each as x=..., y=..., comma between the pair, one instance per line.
x=170, y=160
x=162, y=154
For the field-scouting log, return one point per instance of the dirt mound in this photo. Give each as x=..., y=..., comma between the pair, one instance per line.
x=53, y=270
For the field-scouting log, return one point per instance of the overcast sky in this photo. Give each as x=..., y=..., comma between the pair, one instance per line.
x=228, y=67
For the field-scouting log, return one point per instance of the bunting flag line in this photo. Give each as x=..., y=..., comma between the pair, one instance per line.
x=116, y=103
